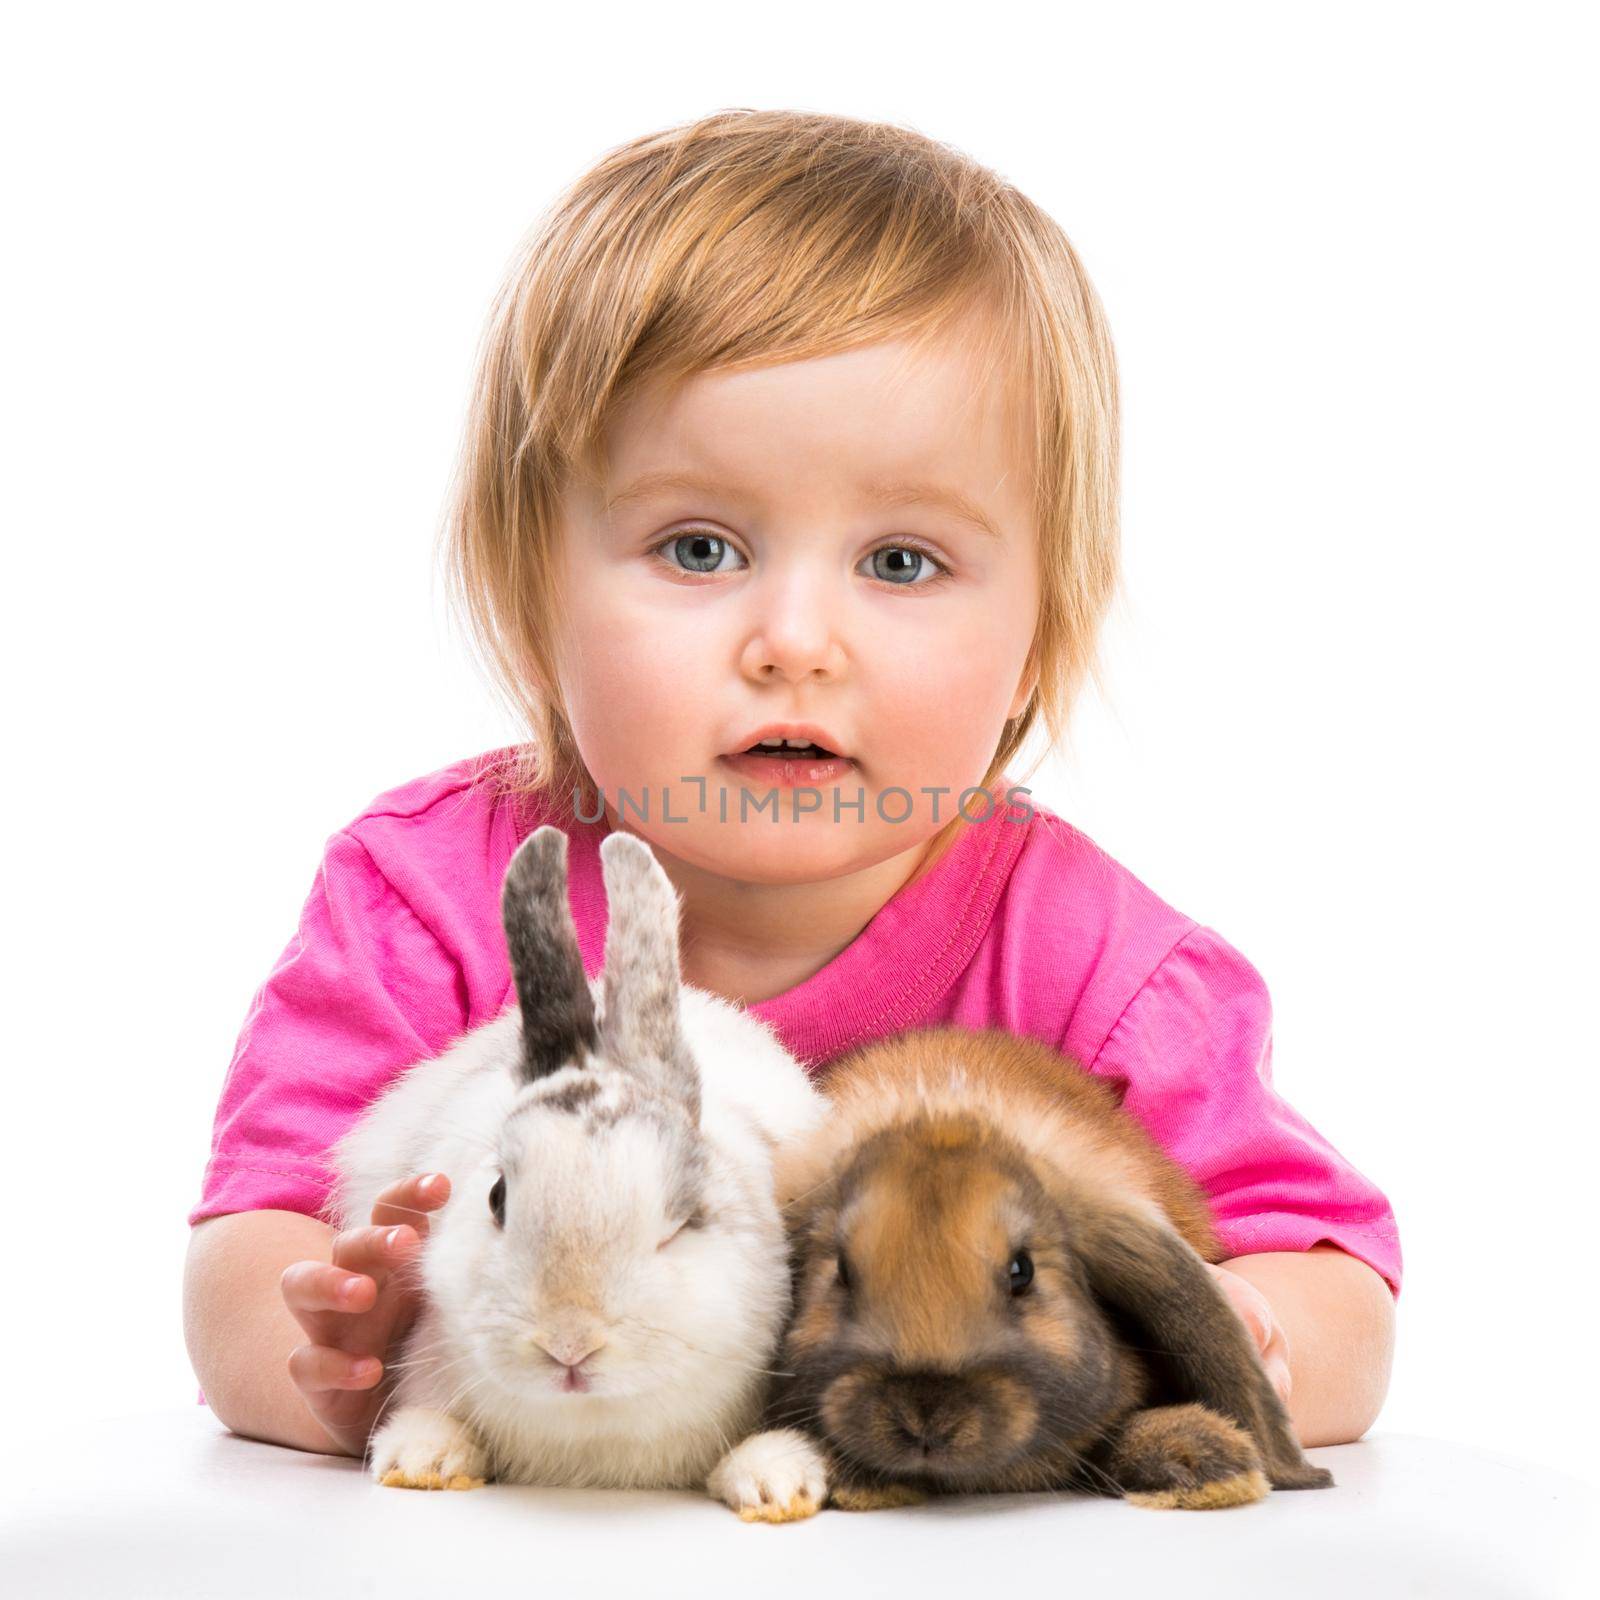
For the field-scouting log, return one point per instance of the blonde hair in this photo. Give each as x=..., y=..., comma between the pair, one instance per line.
x=749, y=237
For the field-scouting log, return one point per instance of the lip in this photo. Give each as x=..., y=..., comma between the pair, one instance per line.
x=789, y=772
x=814, y=731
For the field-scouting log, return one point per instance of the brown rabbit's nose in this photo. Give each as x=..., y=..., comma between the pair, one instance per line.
x=920, y=1411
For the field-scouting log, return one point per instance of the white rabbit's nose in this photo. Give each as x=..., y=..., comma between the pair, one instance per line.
x=569, y=1350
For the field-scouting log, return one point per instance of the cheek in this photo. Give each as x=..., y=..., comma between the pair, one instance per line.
x=637, y=680
x=458, y=1268
x=816, y=1323
x=953, y=669
x=951, y=695
x=849, y=1408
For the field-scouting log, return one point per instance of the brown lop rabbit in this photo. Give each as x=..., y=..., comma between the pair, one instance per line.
x=1000, y=1285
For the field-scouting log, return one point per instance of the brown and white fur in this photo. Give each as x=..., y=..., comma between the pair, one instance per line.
x=955, y=1166
x=604, y=1288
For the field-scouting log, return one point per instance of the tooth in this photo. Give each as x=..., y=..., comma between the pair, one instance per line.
x=781, y=744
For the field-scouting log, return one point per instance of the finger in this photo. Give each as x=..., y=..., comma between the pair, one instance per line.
x=410, y=1200
x=316, y=1367
x=1278, y=1342
x=317, y=1286
x=1263, y=1327
x=1275, y=1358
x=1256, y=1310
x=1282, y=1381
x=375, y=1251
x=1250, y=1304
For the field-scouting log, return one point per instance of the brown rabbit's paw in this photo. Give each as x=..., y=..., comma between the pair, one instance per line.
x=777, y=1476
x=877, y=1497
x=422, y=1449
x=1186, y=1458
x=1242, y=1490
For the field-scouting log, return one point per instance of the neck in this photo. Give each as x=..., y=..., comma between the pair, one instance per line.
x=750, y=941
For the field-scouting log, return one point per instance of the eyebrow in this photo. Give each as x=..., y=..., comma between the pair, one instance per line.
x=953, y=501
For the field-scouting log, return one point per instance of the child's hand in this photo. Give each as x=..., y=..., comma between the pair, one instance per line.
x=356, y=1309
x=1256, y=1310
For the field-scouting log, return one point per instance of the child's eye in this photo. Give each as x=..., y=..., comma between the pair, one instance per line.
x=907, y=566
x=699, y=551
x=910, y=561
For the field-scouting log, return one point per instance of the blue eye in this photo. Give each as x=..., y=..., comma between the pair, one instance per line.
x=699, y=552
x=903, y=569
x=907, y=566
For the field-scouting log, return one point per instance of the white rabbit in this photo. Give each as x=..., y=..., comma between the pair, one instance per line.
x=605, y=1287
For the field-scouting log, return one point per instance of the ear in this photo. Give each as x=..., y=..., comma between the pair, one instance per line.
x=1146, y=1272
x=639, y=1016
x=558, y=1023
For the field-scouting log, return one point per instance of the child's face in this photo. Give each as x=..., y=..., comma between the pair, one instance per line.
x=781, y=591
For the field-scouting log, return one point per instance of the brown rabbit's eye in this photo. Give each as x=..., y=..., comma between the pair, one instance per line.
x=1021, y=1272
x=497, y=1201
x=844, y=1272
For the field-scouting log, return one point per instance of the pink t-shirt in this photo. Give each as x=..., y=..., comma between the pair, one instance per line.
x=1025, y=925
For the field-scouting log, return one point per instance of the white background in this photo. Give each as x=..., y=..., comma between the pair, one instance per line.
x=1349, y=262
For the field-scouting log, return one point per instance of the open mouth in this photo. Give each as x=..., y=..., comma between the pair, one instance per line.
x=790, y=759
x=792, y=752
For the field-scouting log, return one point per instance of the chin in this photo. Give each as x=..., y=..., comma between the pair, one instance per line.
x=761, y=851
x=543, y=1392
x=951, y=1471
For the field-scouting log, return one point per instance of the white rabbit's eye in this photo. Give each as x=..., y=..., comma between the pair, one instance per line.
x=695, y=1219
x=497, y=1201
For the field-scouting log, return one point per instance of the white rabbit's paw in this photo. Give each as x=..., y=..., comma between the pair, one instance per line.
x=778, y=1476
x=421, y=1449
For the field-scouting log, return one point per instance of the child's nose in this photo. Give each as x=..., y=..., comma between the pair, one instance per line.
x=795, y=633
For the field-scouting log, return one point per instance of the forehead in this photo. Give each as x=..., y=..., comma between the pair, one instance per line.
x=593, y=1116
x=854, y=426
x=936, y=1192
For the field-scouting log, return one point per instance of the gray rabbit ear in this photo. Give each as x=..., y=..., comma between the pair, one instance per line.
x=558, y=1024
x=639, y=1027
x=1146, y=1271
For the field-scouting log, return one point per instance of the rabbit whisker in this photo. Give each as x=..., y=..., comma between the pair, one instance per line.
x=710, y=1355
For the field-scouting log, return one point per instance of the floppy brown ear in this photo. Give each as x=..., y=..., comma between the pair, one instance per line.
x=1160, y=1286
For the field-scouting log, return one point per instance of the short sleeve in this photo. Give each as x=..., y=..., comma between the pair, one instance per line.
x=362, y=991
x=1192, y=1052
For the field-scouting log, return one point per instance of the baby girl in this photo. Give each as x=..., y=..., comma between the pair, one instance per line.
x=787, y=513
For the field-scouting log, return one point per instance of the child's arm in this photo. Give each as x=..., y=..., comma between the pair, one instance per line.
x=238, y=1329
x=275, y=1343
x=1313, y=1255
x=366, y=988
x=1337, y=1316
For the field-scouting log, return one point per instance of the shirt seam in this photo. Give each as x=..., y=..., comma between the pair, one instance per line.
x=1255, y=1221
x=479, y=768
x=1183, y=938
x=389, y=883
x=236, y=1164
